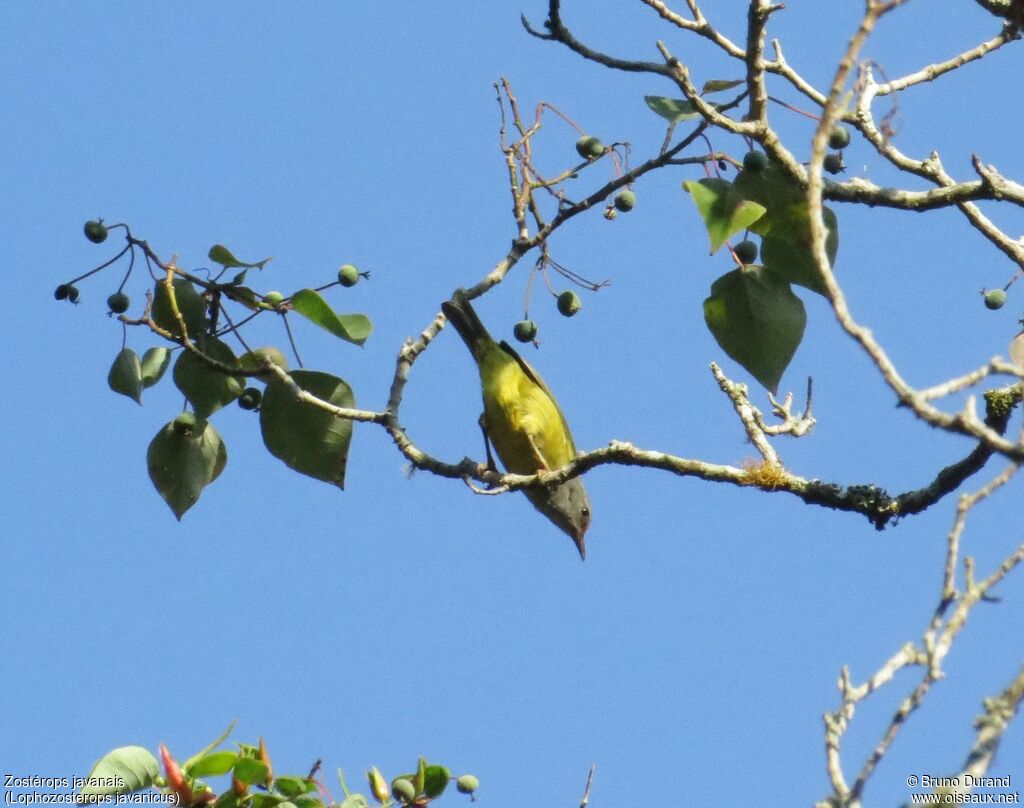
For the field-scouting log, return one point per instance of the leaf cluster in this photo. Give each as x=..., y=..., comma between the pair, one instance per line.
x=249, y=780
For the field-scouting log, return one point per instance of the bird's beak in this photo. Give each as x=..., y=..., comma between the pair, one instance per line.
x=581, y=545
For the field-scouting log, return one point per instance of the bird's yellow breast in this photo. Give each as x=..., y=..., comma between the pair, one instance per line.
x=522, y=420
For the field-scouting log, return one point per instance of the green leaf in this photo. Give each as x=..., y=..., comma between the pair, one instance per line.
x=306, y=438
x=183, y=462
x=307, y=801
x=154, y=365
x=293, y=786
x=250, y=771
x=757, y=320
x=792, y=260
x=718, y=85
x=350, y=327
x=435, y=781
x=419, y=781
x=210, y=747
x=212, y=764
x=786, y=226
x=205, y=386
x=354, y=801
x=243, y=295
x=673, y=110
x=125, y=376
x=783, y=199
x=265, y=800
x=190, y=303
x=122, y=771
x=723, y=210
x=223, y=256
x=227, y=799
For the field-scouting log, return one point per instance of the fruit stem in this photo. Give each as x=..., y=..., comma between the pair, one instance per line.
x=797, y=110
x=101, y=266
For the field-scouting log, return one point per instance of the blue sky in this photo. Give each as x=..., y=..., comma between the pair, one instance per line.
x=698, y=646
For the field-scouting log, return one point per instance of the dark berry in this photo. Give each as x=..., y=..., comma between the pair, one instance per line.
x=625, y=200
x=348, y=275
x=250, y=399
x=589, y=147
x=569, y=303
x=96, y=231
x=525, y=330
x=994, y=299
x=746, y=252
x=755, y=161
x=839, y=137
x=118, y=302
x=834, y=163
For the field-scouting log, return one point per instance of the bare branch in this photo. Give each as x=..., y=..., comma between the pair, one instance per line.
x=991, y=725
x=937, y=642
x=757, y=18
x=748, y=415
x=1007, y=9
x=699, y=25
x=933, y=71
x=585, y=799
x=559, y=33
x=863, y=191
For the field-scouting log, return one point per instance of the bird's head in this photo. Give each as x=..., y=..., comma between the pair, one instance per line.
x=568, y=506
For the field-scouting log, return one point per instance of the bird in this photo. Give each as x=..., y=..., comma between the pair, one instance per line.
x=523, y=421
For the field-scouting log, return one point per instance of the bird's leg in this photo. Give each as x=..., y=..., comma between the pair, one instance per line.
x=542, y=464
x=491, y=466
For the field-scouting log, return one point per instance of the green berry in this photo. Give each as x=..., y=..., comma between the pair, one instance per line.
x=72, y=293
x=467, y=784
x=994, y=299
x=839, y=137
x=834, y=163
x=746, y=252
x=184, y=424
x=625, y=200
x=96, y=231
x=755, y=161
x=118, y=302
x=525, y=330
x=61, y=292
x=256, y=360
x=250, y=399
x=589, y=147
x=348, y=275
x=569, y=303
x=273, y=299
x=403, y=790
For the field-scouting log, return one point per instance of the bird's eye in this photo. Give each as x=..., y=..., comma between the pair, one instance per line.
x=585, y=512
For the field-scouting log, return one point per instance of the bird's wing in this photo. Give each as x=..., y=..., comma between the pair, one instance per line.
x=536, y=379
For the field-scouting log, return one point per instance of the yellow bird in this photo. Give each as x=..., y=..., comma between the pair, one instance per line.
x=523, y=421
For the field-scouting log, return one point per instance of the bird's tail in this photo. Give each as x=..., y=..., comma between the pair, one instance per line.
x=463, y=317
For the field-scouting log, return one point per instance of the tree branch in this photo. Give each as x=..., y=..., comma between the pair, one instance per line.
x=557, y=32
